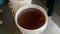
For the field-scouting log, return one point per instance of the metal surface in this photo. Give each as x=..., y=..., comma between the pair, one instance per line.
x=8, y=27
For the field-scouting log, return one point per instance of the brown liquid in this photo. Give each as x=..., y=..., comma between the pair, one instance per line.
x=31, y=19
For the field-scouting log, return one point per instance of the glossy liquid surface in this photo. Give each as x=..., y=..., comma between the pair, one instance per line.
x=31, y=19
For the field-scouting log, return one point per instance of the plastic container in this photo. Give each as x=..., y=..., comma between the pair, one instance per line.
x=16, y=4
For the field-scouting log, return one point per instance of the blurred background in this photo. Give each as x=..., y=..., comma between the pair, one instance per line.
x=56, y=15
x=7, y=22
